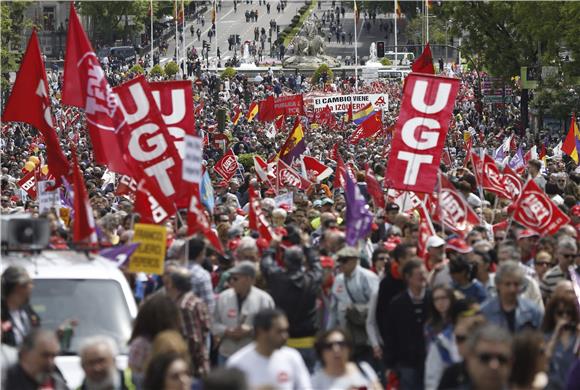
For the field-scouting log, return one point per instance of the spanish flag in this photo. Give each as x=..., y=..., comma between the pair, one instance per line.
x=252, y=112
x=362, y=114
x=295, y=144
x=237, y=115
x=571, y=145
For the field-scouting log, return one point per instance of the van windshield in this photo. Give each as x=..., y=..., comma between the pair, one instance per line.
x=99, y=307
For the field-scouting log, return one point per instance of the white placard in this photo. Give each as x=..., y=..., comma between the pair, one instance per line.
x=192, y=167
x=47, y=199
x=340, y=103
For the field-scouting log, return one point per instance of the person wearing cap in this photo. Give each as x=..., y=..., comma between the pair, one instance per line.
x=439, y=273
x=527, y=242
x=18, y=316
x=295, y=291
x=326, y=205
x=235, y=309
x=352, y=291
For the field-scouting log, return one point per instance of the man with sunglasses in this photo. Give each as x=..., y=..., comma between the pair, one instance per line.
x=566, y=255
x=489, y=358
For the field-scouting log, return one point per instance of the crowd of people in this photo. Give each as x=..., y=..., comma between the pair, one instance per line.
x=496, y=309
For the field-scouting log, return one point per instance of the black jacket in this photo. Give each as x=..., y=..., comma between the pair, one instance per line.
x=295, y=292
x=388, y=289
x=405, y=337
x=8, y=336
x=17, y=378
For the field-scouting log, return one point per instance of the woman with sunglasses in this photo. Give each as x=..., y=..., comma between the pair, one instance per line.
x=561, y=330
x=338, y=372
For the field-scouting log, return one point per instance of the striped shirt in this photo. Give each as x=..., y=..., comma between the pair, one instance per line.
x=551, y=279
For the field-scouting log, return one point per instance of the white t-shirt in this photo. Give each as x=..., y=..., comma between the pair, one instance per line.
x=285, y=369
x=352, y=379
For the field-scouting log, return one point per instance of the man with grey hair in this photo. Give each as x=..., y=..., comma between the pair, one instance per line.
x=489, y=357
x=566, y=255
x=98, y=355
x=509, y=310
x=36, y=368
x=194, y=315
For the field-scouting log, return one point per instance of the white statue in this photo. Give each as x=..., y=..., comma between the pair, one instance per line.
x=373, y=53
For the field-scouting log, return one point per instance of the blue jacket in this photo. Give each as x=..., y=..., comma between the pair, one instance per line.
x=528, y=314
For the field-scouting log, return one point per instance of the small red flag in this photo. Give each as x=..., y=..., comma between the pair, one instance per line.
x=266, y=111
x=374, y=188
x=29, y=103
x=84, y=224
x=227, y=165
x=424, y=64
x=536, y=211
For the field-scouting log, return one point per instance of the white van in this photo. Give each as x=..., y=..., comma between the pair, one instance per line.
x=403, y=58
x=91, y=290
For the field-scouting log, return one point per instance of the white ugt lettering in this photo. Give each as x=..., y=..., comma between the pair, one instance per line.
x=414, y=162
x=418, y=97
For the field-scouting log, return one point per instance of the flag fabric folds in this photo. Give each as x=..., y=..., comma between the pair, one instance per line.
x=571, y=145
x=29, y=102
x=424, y=64
x=371, y=126
x=295, y=144
x=374, y=188
x=359, y=219
x=252, y=111
x=314, y=170
x=85, y=86
x=84, y=224
x=359, y=116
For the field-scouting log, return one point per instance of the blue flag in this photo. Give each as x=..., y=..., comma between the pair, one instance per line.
x=207, y=195
x=119, y=254
x=358, y=217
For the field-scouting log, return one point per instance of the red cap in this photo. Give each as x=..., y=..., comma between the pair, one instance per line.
x=576, y=210
x=233, y=244
x=285, y=207
x=240, y=212
x=458, y=245
x=222, y=184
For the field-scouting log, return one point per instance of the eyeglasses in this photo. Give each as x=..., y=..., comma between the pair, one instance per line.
x=561, y=313
x=332, y=344
x=383, y=258
x=486, y=358
x=543, y=263
x=460, y=338
x=568, y=256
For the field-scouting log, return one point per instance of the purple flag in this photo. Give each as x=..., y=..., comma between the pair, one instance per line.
x=517, y=161
x=119, y=254
x=358, y=217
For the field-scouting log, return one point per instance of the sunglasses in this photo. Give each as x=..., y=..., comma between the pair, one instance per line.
x=486, y=358
x=561, y=313
x=383, y=258
x=460, y=338
x=568, y=256
x=543, y=263
x=332, y=344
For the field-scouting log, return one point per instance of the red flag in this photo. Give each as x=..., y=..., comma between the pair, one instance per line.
x=28, y=183
x=512, y=183
x=468, y=147
x=86, y=86
x=315, y=170
x=150, y=150
x=426, y=230
x=84, y=224
x=326, y=117
x=536, y=211
x=457, y=214
x=349, y=113
x=288, y=177
x=372, y=125
x=127, y=185
x=29, y=102
x=256, y=219
x=227, y=166
x=280, y=122
x=266, y=111
x=334, y=155
x=424, y=64
x=374, y=188
x=420, y=132
x=148, y=207
x=339, y=172
x=262, y=170
x=198, y=222
x=446, y=158
x=236, y=115
x=488, y=176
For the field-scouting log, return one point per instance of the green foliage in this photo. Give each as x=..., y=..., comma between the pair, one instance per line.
x=247, y=160
x=554, y=98
x=228, y=73
x=171, y=69
x=322, y=69
x=13, y=26
x=137, y=69
x=157, y=70
x=385, y=61
x=116, y=20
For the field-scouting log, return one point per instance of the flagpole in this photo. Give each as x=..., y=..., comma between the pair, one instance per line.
x=151, y=17
x=396, y=20
x=355, y=49
x=183, y=54
x=176, y=37
x=427, y=20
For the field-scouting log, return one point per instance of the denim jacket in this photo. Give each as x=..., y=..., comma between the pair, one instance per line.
x=528, y=314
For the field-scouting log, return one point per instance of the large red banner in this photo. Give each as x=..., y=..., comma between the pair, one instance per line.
x=149, y=149
x=289, y=105
x=420, y=132
x=536, y=211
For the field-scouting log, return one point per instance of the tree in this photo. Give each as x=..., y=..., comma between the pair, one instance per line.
x=171, y=69
x=114, y=20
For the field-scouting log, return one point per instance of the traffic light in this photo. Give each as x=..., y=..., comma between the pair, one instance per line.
x=221, y=120
x=380, y=49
